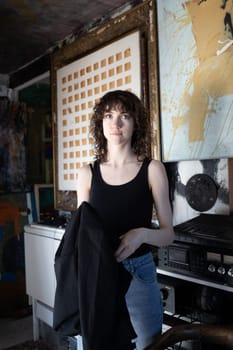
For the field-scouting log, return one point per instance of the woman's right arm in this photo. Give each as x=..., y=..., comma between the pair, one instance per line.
x=84, y=184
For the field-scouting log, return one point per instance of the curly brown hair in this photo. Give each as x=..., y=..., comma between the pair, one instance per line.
x=128, y=102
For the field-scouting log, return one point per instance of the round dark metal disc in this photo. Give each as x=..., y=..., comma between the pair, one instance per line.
x=201, y=192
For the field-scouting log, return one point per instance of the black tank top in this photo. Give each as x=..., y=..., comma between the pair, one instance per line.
x=123, y=207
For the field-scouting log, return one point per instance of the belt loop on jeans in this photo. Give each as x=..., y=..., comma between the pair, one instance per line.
x=131, y=266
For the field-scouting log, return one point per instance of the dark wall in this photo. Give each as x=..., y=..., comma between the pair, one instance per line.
x=39, y=66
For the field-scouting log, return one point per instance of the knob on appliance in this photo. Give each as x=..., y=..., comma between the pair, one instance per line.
x=230, y=272
x=211, y=268
x=221, y=270
x=229, y=276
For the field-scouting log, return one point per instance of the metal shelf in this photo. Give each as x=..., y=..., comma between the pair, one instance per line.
x=203, y=282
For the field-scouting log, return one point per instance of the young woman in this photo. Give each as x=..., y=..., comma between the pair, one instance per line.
x=122, y=185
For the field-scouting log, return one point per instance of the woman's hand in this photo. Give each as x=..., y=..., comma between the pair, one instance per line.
x=129, y=243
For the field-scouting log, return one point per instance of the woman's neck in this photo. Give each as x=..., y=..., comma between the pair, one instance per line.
x=118, y=157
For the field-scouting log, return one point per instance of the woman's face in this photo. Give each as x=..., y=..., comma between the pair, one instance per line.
x=118, y=126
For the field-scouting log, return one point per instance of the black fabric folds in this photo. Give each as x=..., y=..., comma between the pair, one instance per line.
x=91, y=286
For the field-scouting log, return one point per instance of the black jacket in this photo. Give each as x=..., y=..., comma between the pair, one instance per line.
x=91, y=285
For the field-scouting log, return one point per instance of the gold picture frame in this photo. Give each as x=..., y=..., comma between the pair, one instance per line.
x=136, y=27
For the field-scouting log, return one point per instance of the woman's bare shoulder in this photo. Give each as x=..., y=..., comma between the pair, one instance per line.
x=156, y=165
x=84, y=184
x=157, y=173
x=84, y=170
x=84, y=176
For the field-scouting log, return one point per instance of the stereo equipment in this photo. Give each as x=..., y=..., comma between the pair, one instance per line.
x=203, y=247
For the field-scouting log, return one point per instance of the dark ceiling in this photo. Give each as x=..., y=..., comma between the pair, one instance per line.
x=31, y=28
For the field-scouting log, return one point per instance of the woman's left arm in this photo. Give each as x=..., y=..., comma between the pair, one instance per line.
x=158, y=181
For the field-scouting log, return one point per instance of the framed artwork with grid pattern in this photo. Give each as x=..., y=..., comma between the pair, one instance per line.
x=118, y=55
x=79, y=86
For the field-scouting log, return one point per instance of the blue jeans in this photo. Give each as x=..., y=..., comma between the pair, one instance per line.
x=143, y=299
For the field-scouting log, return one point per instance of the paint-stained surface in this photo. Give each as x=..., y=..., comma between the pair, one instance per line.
x=196, y=73
x=13, y=122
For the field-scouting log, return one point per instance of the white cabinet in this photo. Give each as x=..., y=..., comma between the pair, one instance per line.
x=41, y=243
x=39, y=259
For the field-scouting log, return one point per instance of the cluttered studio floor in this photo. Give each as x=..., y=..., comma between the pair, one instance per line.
x=16, y=330
x=17, y=334
x=16, y=326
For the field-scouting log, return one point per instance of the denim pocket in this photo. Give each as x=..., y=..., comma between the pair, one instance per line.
x=145, y=272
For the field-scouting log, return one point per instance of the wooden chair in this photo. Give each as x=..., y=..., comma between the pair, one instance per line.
x=208, y=334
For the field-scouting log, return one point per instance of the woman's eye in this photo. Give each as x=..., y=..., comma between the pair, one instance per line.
x=125, y=116
x=107, y=116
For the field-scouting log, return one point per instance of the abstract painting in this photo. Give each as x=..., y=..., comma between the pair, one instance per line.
x=13, y=120
x=196, y=73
